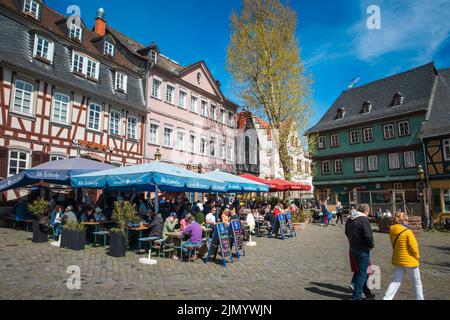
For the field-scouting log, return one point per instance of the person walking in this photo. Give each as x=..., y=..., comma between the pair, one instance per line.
x=360, y=238
x=405, y=257
x=339, y=212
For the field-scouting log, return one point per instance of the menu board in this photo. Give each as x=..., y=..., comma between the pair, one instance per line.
x=236, y=234
x=290, y=224
x=281, y=228
x=222, y=238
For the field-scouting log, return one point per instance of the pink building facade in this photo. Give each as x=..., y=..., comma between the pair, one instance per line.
x=189, y=120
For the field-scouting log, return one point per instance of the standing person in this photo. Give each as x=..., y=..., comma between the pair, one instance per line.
x=339, y=212
x=360, y=238
x=405, y=257
x=326, y=214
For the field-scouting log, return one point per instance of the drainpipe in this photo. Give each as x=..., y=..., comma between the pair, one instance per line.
x=427, y=181
x=144, y=151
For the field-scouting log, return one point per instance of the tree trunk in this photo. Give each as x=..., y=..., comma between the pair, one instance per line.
x=284, y=156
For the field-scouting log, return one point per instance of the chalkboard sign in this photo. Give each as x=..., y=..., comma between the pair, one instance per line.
x=235, y=233
x=281, y=228
x=220, y=241
x=290, y=224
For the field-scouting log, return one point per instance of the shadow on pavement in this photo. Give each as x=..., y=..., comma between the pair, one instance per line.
x=328, y=293
x=333, y=287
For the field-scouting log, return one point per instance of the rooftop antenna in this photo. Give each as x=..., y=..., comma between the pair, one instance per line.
x=353, y=82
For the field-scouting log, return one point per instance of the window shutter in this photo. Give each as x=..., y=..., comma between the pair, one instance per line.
x=35, y=45
x=3, y=162
x=125, y=83
x=39, y=158
x=51, y=51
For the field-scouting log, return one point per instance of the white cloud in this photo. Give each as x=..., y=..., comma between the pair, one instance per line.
x=418, y=25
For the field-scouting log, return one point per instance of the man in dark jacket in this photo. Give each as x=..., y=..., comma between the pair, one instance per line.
x=360, y=237
x=156, y=225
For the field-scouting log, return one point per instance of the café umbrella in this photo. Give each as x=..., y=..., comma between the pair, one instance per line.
x=236, y=183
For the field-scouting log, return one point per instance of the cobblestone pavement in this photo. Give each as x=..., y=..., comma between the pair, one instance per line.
x=312, y=266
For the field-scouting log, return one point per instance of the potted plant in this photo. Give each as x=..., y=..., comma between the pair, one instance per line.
x=41, y=211
x=124, y=214
x=299, y=221
x=73, y=236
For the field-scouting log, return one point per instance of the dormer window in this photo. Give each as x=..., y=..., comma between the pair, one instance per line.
x=121, y=82
x=85, y=66
x=367, y=107
x=397, y=100
x=31, y=8
x=108, y=49
x=75, y=32
x=340, y=113
x=43, y=49
x=153, y=56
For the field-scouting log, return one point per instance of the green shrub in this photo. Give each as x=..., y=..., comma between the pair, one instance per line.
x=124, y=214
x=39, y=208
x=74, y=226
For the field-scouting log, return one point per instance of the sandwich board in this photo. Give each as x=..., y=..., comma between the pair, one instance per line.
x=235, y=233
x=281, y=228
x=219, y=242
x=290, y=224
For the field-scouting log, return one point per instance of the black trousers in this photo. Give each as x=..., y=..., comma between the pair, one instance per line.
x=339, y=216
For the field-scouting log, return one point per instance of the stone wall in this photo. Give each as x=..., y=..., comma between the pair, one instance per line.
x=415, y=223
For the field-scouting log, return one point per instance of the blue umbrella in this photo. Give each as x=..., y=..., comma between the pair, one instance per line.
x=54, y=172
x=236, y=183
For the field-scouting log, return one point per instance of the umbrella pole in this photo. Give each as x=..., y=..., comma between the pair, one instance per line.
x=217, y=206
x=156, y=199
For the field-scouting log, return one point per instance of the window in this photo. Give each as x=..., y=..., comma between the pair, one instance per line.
x=85, y=66
x=154, y=129
x=299, y=166
x=60, y=108
x=368, y=134
x=31, y=7
x=340, y=114
x=43, y=48
x=409, y=158
x=230, y=119
x=168, y=137
x=23, y=97
x=397, y=100
x=212, y=145
x=204, y=108
x=367, y=107
x=156, y=89
x=170, y=92
x=325, y=167
x=121, y=82
x=108, y=48
x=222, y=116
x=114, y=123
x=398, y=186
x=94, y=120
x=153, y=56
x=394, y=161
x=194, y=104
x=388, y=131
x=57, y=157
x=447, y=200
x=18, y=161
x=203, y=146
x=192, y=143
x=75, y=32
x=373, y=163
x=447, y=149
x=354, y=136
x=321, y=143
x=359, y=164
x=338, y=166
x=403, y=129
x=182, y=99
x=132, y=128
x=335, y=140
x=229, y=152
x=222, y=151
x=180, y=140
x=213, y=112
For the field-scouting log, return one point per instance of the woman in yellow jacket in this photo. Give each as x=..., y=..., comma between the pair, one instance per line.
x=405, y=257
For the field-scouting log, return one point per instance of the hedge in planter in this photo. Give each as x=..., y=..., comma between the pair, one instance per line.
x=73, y=236
x=41, y=211
x=124, y=214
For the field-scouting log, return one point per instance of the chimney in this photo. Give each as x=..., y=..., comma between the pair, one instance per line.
x=100, y=23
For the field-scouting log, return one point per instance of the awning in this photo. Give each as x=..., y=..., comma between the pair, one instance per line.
x=257, y=179
x=236, y=183
x=366, y=180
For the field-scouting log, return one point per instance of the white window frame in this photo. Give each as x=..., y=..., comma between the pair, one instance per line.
x=55, y=117
x=353, y=137
x=334, y=140
x=182, y=98
x=391, y=160
x=121, y=82
x=409, y=159
x=172, y=96
x=194, y=104
x=222, y=151
x=181, y=133
x=204, y=107
x=406, y=127
x=230, y=152
x=158, y=91
x=153, y=56
x=96, y=112
x=75, y=32
x=18, y=161
x=192, y=144
x=321, y=142
x=112, y=125
x=389, y=128
x=154, y=133
x=325, y=165
x=213, y=112
x=203, y=145
x=446, y=146
x=222, y=116
x=108, y=48
x=87, y=64
x=42, y=53
x=31, y=7
x=372, y=163
x=359, y=164
x=132, y=133
x=212, y=147
x=368, y=133
x=92, y=67
x=170, y=137
x=56, y=157
x=22, y=93
x=336, y=162
x=230, y=119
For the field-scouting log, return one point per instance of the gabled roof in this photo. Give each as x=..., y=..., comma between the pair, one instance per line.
x=438, y=122
x=415, y=85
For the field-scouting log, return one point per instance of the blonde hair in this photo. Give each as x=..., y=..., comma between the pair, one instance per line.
x=400, y=217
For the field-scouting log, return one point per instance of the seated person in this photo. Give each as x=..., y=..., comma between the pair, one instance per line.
x=156, y=225
x=69, y=216
x=225, y=217
x=185, y=222
x=170, y=224
x=98, y=215
x=195, y=233
x=210, y=218
x=270, y=219
x=58, y=213
x=199, y=217
x=88, y=215
x=234, y=215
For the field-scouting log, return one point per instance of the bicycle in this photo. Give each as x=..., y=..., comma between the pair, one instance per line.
x=428, y=224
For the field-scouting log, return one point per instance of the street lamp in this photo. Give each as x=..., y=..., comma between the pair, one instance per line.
x=157, y=155
x=422, y=190
x=188, y=166
x=200, y=167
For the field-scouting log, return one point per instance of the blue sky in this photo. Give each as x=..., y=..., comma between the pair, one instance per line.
x=336, y=45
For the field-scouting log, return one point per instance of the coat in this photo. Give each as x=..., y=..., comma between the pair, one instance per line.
x=406, y=250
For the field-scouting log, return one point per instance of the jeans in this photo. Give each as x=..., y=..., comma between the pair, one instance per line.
x=339, y=216
x=57, y=227
x=395, y=284
x=366, y=289
x=362, y=258
x=188, y=243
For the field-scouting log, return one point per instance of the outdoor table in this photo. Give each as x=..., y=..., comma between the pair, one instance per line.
x=96, y=225
x=140, y=229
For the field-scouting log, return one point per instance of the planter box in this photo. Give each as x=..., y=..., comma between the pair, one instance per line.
x=300, y=226
x=40, y=234
x=296, y=226
x=117, y=246
x=74, y=240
